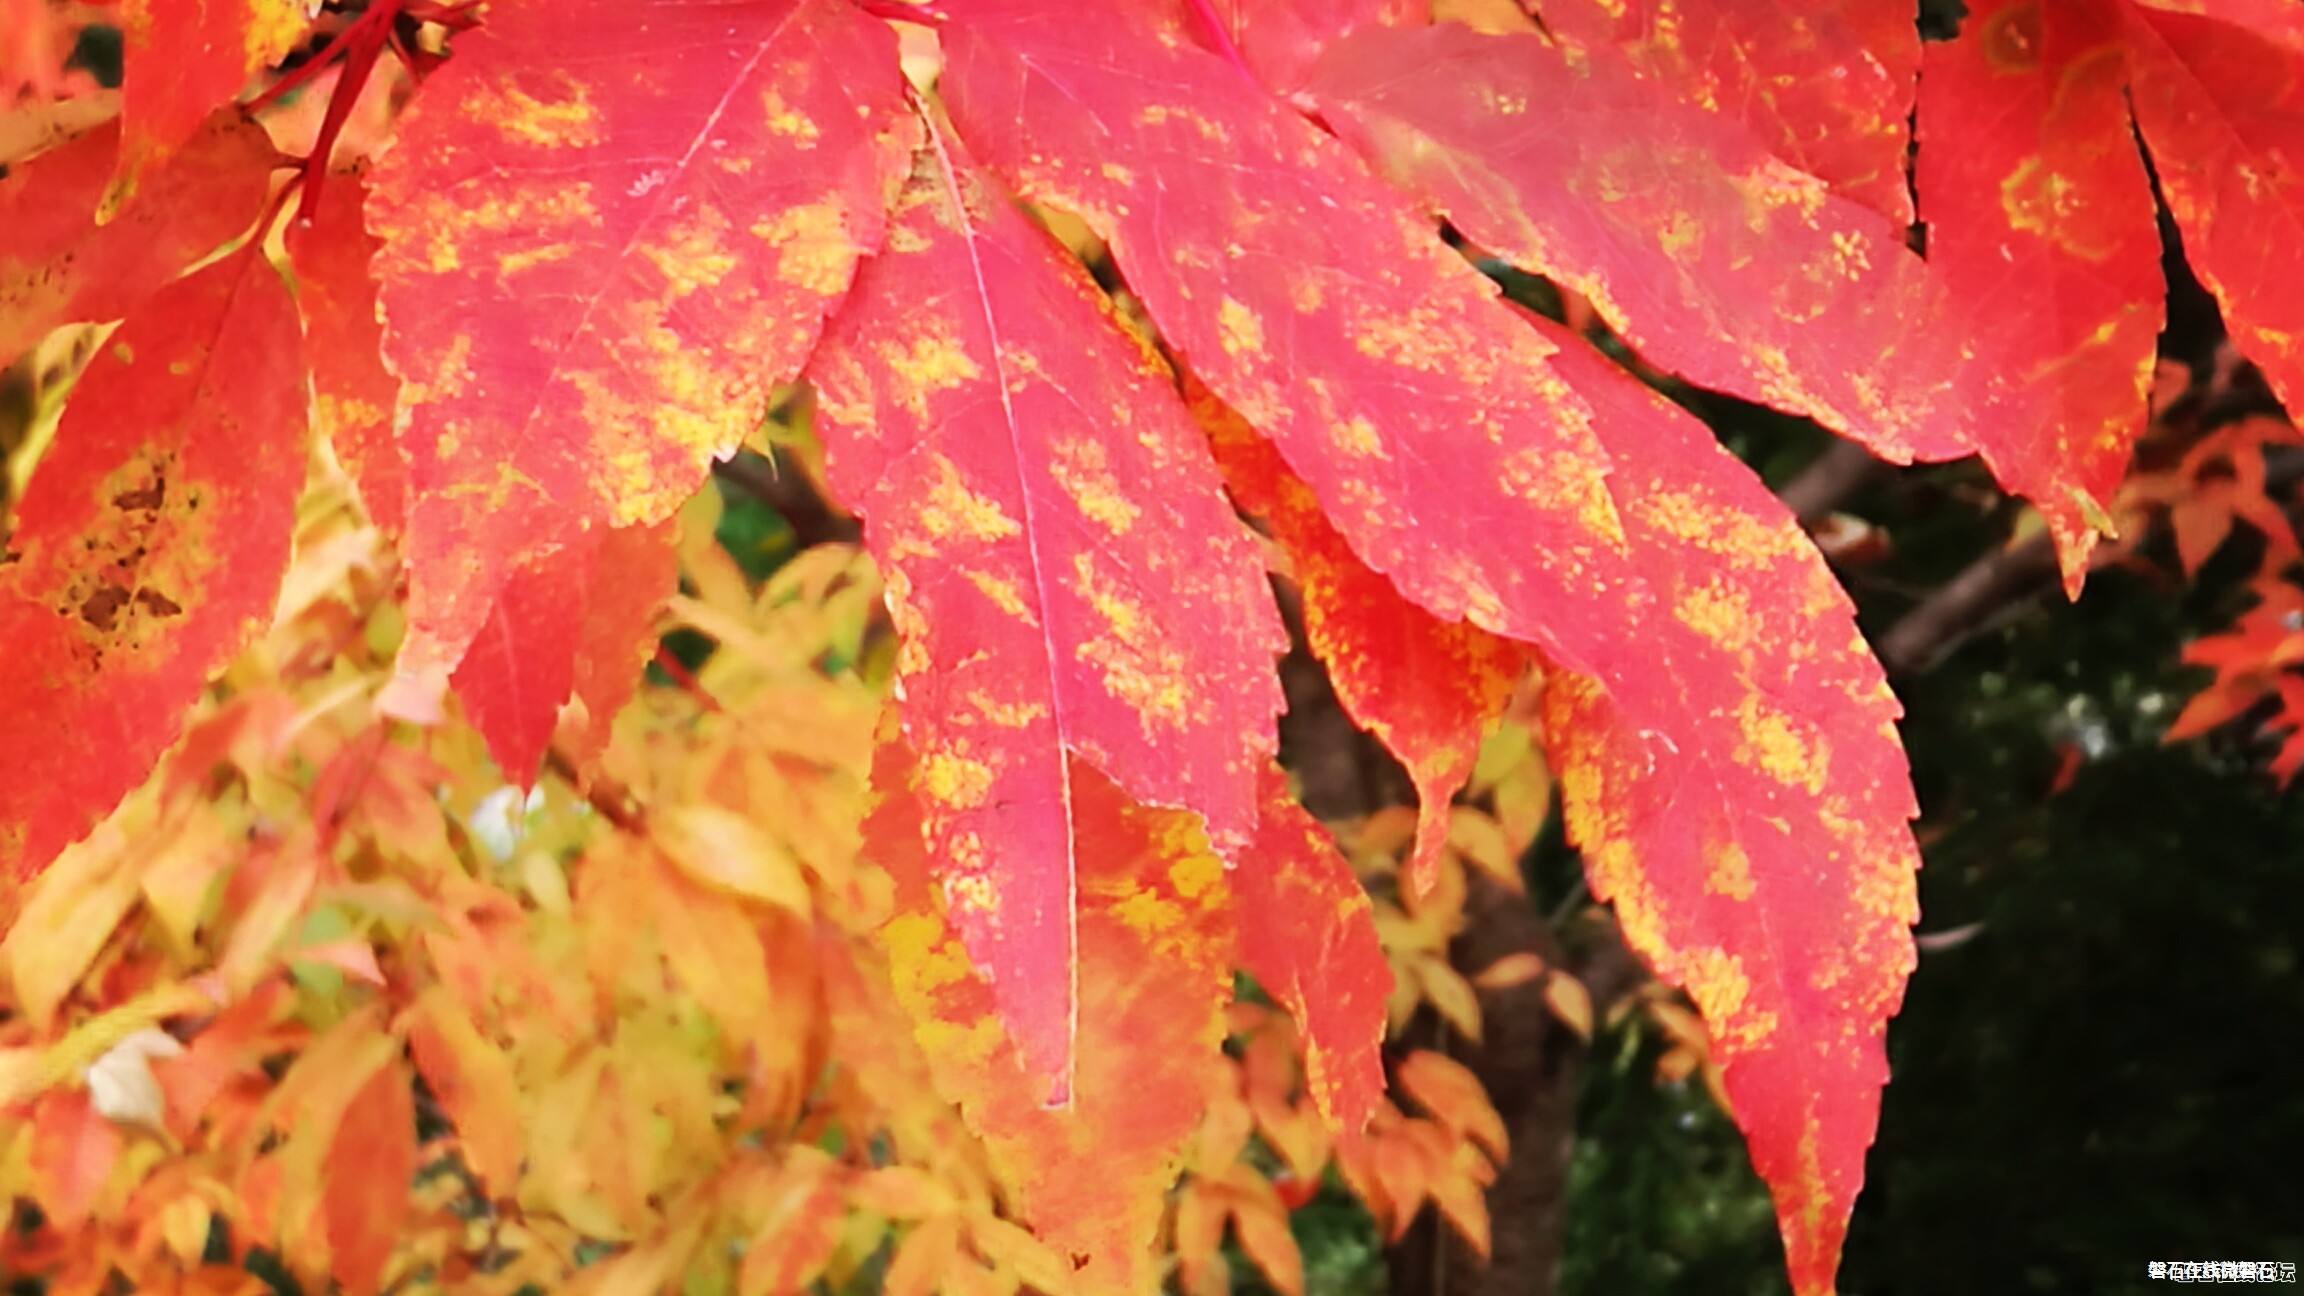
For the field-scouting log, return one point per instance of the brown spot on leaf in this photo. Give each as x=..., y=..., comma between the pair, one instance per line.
x=145, y=497
x=102, y=608
x=158, y=604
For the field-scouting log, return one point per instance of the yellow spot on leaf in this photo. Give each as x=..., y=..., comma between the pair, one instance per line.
x=930, y=360
x=1720, y=612
x=1195, y=873
x=1357, y=435
x=1716, y=981
x=1140, y=666
x=1305, y=293
x=565, y=120
x=785, y=120
x=694, y=254
x=1084, y=471
x=2042, y=201
x=1729, y=533
x=512, y=263
x=1003, y=594
x=1239, y=330
x=1728, y=871
x=333, y=414
x=1678, y=235
x=952, y=511
x=1200, y=123
x=274, y=27
x=813, y=249
x=1151, y=913
x=1780, y=186
x=532, y=216
x=1007, y=715
x=959, y=781
x=1776, y=748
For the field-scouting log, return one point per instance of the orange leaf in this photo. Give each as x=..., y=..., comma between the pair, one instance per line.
x=1458, y=1191
x=1308, y=936
x=73, y=1152
x=1261, y=1222
x=1427, y=688
x=57, y=266
x=353, y=394
x=474, y=1083
x=277, y=884
x=1514, y=969
x=182, y=59
x=901, y=1192
x=67, y=918
x=1155, y=967
x=922, y=1259
x=310, y=1105
x=230, y=1049
x=1197, y=1234
x=1570, y=1002
x=713, y=946
x=1442, y=1086
x=800, y=1231
x=148, y=551
x=367, y=1201
x=1405, y=1171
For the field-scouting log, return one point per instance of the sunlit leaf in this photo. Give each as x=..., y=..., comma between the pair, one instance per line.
x=74, y=1150
x=67, y=917
x=1307, y=936
x=608, y=231
x=1062, y=567
x=1155, y=965
x=1427, y=688
x=1711, y=255
x=1827, y=83
x=1768, y=868
x=474, y=1083
x=1447, y=1090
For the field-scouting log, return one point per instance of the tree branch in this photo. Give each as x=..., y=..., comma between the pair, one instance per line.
x=781, y=486
x=1965, y=604
x=1975, y=599
x=1826, y=483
